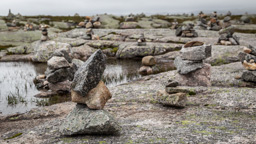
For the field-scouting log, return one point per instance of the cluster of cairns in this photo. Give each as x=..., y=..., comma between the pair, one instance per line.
x=29, y=27
x=90, y=23
x=227, y=36
x=248, y=59
x=186, y=31
x=148, y=62
x=91, y=95
x=44, y=36
x=190, y=66
x=59, y=73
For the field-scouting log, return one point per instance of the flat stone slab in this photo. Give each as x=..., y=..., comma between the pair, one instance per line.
x=186, y=66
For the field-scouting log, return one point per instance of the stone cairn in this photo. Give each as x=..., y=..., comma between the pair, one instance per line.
x=141, y=40
x=214, y=23
x=202, y=22
x=59, y=74
x=191, y=69
x=227, y=36
x=148, y=62
x=248, y=59
x=90, y=23
x=91, y=95
x=44, y=36
x=90, y=35
x=175, y=24
x=186, y=31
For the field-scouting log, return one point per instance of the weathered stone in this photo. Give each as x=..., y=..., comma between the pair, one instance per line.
x=185, y=66
x=60, y=75
x=233, y=41
x=253, y=50
x=197, y=53
x=175, y=100
x=81, y=121
x=250, y=57
x=63, y=52
x=172, y=84
x=88, y=25
x=247, y=50
x=249, y=66
x=173, y=90
x=57, y=62
x=82, y=52
x=129, y=25
x=193, y=44
x=249, y=76
x=200, y=77
x=242, y=56
x=245, y=19
x=77, y=62
x=97, y=24
x=60, y=87
x=95, y=99
x=148, y=61
x=46, y=94
x=89, y=74
x=145, y=70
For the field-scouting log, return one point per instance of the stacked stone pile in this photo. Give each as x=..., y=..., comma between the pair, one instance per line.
x=192, y=71
x=44, y=33
x=90, y=23
x=59, y=74
x=148, y=62
x=186, y=31
x=214, y=23
x=91, y=95
x=248, y=59
x=227, y=36
x=202, y=22
x=175, y=24
x=142, y=40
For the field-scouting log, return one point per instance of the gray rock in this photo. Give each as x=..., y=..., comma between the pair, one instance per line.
x=63, y=52
x=173, y=90
x=89, y=74
x=82, y=120
x=77, y=62
x=233, y=41
x=175, y=100
x=249, y=57
x=172, y=84
x=59, y=75
x=242, y=56
x=245, y=19
x=57, y=63
x=253, y=52
x=129, y=25
x=197, y=53
x=185, y=66
x=249, y=76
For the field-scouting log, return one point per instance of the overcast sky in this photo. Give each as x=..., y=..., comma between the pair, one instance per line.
x=89, y=7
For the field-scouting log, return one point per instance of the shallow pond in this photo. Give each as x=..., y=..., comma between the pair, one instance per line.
x=17, y=89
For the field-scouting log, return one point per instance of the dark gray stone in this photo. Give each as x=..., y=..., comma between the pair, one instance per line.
x=178, y=31
x=248, y=57
x=89, y=74
x=77, y=62
x=197, y=53
x=172, y=84
x=242, y=56
x=81, y=120
x=185, y=66
x=60, y=75
x=253, y=52
x=249, y=76
x=63, y=52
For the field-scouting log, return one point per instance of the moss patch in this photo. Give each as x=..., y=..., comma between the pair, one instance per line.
x=14, y=136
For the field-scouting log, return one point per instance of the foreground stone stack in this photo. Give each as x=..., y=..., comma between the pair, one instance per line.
x=248, y=59
x=91, y=95
x=192, y=71
x=59, y=73
x=227, y=36
x=186, y=31
x=44, y=33
x=148, y=62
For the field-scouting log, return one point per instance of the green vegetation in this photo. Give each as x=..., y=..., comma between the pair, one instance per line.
x=14, y=136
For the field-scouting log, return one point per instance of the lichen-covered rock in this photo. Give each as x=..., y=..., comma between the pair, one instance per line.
x=60, y=75
x=77, y=62
x=173, y=90
x=95, y=99
x=197, y=53
x=129, y=25
x=200, y=77
x=185, y=66
x=89, y=74
x=83, y=121
x=175, y=100
x=43, y=50
x=249, y=76
x=57, y=62
x=63, y=52
x=148, y=61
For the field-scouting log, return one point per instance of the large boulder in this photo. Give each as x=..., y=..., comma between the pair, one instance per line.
x=82, y=120
x=95, y=99
x=89, y=74
x=44, y=50
x=185, y=66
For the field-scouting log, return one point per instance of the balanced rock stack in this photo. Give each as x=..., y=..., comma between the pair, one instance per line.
x=44, y=33
x=90, y=35
x=202, y=22
x=90, y=23
x=59, y=73
x=186, y=31
x=214, y=23
x=172, y=95
x=175, y=24
x=148, y=62
x=227, y=36
x=192, y=71
x=91, y=95
x=248, y=59
x=142, y=40
x=129, y=22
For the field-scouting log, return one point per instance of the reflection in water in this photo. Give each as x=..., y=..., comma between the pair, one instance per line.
x=17, y=89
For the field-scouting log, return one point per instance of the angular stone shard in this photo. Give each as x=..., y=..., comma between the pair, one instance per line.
x=82, y=120
x=197, y=53
x=89, y=74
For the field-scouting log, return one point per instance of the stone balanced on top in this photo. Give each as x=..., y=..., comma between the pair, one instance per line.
x=192, y=71
x=186, y=31
x=44, y=33
x=202, y=22
x=248, y=59
x=91, y=95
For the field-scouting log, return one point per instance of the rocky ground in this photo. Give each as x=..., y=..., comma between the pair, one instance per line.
x=223, y=113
